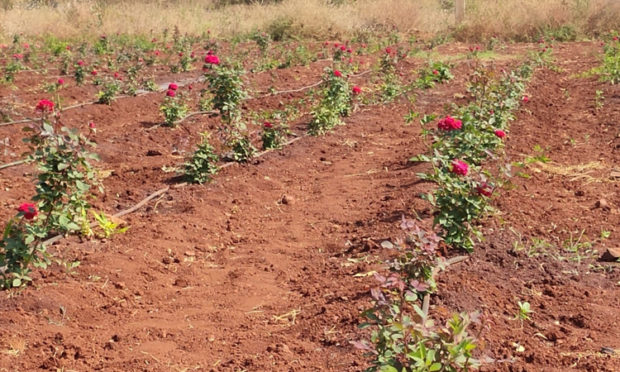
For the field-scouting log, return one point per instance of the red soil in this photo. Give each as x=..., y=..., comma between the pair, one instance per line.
x=255, y=271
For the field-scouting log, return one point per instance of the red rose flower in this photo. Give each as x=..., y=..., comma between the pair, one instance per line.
x=459, y=167
x=267, y=124
x=171, y=93
x=337, y=73
x=45, y=105
x=435, y=72
x=343, y=48
x=28, y=210
x=60, y=81
x=91, y=125
x=388, y=50
x=357, y=90
x=172, y=86
x=212, y=59
x=93, y=72
x=484, y=189
x=500, y=133
x=80, y=63
x=449, y=123
x=157, y=52
x=526, y=99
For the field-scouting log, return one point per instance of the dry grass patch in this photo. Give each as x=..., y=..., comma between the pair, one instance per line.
x=514, y=19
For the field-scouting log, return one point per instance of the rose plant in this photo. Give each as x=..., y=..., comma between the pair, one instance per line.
x=173, y=108
x=335, y=103
x=273, y=135
x=404, y=336
x=21, y=246
x=226, y=88
x=460, y=146
x=186, y=59
x=80, y=72
x=203, y=163
x=65, y=174
x=62, y=189
x=106, y=95
x=262, y=40
x=435, y=72
x=13, y=67
x=242, y=148
x=610, y=69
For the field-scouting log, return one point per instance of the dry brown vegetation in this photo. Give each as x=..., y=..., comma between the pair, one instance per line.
x=306, y=17
x=513, y=19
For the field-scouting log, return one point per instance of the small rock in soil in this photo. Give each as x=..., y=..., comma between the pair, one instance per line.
x=602, y=204
x=153, y=153
x=611, y=255
x=283, y=348
x=180, y=282
x=288, y=200
x=607, y=350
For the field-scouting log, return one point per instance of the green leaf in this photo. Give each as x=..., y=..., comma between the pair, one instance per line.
x=29, y=239
x=48, y=128
x=435, y=367
x=82, y=186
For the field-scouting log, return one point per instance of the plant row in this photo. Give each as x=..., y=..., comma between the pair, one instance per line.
x=461, y=143
x=66, y=179
x=405, y=337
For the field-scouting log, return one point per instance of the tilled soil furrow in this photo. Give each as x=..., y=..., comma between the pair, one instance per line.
x=246, y=272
